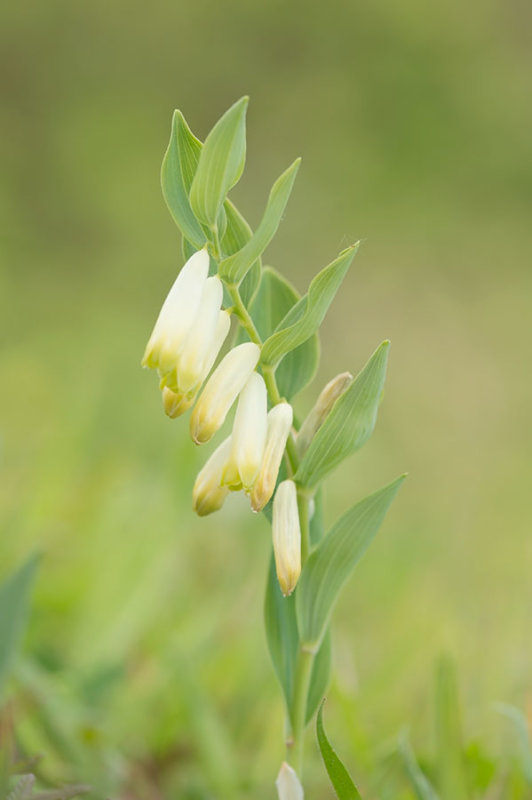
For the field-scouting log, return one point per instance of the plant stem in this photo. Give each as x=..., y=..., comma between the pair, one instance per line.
x=304, y=522
x=295, y=748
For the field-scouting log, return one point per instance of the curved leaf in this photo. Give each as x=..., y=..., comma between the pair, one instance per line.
x=340, y=778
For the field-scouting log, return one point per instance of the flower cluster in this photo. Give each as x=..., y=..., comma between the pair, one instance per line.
x=183, y=347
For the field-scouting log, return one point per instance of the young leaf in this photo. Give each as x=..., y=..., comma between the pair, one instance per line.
x=237, y=234
x=452, y=781
x=340, y=778
x=334, y=559
x=419, y=782
x=221, y=163
x=320, y=677
x=274, y=298
x=14, y=599
x=281, y=633
x=306, y=316
x=233, y=268
x=349, y=424
x=179, y=165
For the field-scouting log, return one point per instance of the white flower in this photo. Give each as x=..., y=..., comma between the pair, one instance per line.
x=287, y=783
x=249, y=435
x=175, y=403
x=177, y=314
x=321, y=410
x=279, y=425
x=208, y=495
x=221, y=391
x=286, y=536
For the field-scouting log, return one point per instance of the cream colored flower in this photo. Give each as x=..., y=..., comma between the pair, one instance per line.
x=286, y=536
x=177, y=314
x=175, y=403
x=208, y=494
x=221, y=391
x=249, y=435
x=279, y=426
x=288, y=784
x=321, y=410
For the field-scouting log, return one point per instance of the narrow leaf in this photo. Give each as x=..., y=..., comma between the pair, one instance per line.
x=452, y=781
x=305, y=317
x=340, y=778
x=237, y=234
x=221, y=163
x=419, y=782
x=320, y=677
x=233, y=268
x=281, y=633
x=350, y=422
x=332, y=562
x=179, y=165
x=14, y=599
x=523, y=733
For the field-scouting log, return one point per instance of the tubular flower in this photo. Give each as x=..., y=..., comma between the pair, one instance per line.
x=286, y=536
x=279, y=425
x=321, y=410
x=208, y=495
x=177, y=314
x=287, y=783
x=175, y=403
x=221, y=391
x=249, y=435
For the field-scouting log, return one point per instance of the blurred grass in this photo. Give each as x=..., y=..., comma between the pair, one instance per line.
x=413, y=124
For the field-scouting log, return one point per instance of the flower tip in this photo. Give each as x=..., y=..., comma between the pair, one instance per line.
x=288, y=784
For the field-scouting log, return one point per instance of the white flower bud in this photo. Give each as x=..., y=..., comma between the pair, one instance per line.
x=287, y=783
x=249, y=434
x=177, y=314
x=286, y=536
x=279, y=425
x=208, y=495
x=175, y=403
x=199, y=343
x=322, y=407
x=221, y=391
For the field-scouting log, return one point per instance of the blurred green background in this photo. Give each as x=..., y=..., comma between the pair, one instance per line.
x=414, y=122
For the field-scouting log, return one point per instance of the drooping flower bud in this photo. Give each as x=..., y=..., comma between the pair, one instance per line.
x=286, y=536
x=208, y=495
x=221, y=391
x=200, y=345
x=321, y=409
x=288, y=784
x=279, y=425
x=249, y=434
x=175, y=403
x=177, y=314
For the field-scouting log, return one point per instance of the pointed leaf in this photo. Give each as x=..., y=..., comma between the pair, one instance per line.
x=14, y=599
x=233, y=268
x=178, y=168
x=221, y=163
x=419, y=782
x=320, y=677
x=237, y=234
x=450, y=765
x=281, y=633
x=305, y=317
x=350, y=422
x=340, y=778
x=332, y=562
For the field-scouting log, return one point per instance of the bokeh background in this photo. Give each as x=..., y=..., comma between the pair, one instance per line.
x=145, y=661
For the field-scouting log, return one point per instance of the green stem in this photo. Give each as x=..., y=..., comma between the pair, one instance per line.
x=295, y=746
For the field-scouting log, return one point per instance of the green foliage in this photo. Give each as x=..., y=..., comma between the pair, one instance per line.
x=419, y=782
x=349, y=424
x=14, y=600
x=220, y=165
x=340, y=778
x=235, y=267
x=304, y=319
x=521, y=727
x=452, y=782
x=333, y=560
x=236, y=236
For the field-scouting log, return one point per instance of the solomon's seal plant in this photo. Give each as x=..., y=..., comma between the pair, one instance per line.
x=272, y=356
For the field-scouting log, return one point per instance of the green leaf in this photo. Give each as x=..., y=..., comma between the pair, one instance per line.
x=273, y=300
x=179, y=165
x=320, y=676
x=521, y=726
x=450, y=764
x=221, y=163
x=281, y=633
x=14, y=600
x=237, y=234
x=306, y=316
x=349, y=424
x=340, y=778
x=332, y=562
x=419, y=782
x=233, y=268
